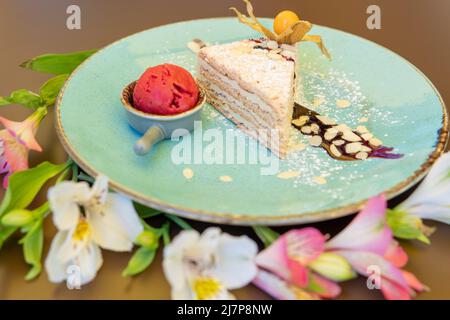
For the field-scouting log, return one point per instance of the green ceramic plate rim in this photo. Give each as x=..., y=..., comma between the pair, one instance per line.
x=237, y=219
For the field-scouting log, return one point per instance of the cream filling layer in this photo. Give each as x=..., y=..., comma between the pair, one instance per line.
x=242, y=105
x=205, y=67
x=249, y=119
x=267, y=140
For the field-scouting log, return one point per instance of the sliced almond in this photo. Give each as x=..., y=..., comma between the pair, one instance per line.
x=315, y=128
x=362, y=155
x=300, y=121
x=272, y=44
x=330, y=134
x=353, y=147
x=374, y=142
x=364, y=119
x=361, y=129
x=367, y=136
x=326, y=121
x=225, y=178
x=342, y=127
x=366, y=149
x=288, y=54
x=338, y=142
x=318, y=101
x=288, y=174
x=195, y=45
x=320, y=180
x=188, y=173
x=306, y=129
x=305, y=118
x=342, y=103
x=315, y=141
x=335, y=151
x=350, y=136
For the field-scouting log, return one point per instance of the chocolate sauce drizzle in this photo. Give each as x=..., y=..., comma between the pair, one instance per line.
x=339, y=151
x=261, y=47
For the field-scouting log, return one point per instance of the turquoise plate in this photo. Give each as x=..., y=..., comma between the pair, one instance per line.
x=401, y=105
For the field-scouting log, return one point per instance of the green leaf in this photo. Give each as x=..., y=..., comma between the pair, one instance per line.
x=24, y=185
x=4, y=102
x=33, y=244
x=180, y=222
x=407, y=226
x=57, y=63
x=63, y=175
x=23, y=97
x=144, y=211
x=165, y=229
x=140, y=261
x=423, y=238
x=50, y=90
x=148, y=227
x=266, y=235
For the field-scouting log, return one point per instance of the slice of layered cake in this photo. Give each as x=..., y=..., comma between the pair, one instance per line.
x=252, y=83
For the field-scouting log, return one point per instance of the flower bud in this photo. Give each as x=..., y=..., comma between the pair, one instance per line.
x=333, y=267
x=147, y=239
x=18, y=218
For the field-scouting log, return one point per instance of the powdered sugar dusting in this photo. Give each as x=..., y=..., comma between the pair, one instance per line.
x=323, y=87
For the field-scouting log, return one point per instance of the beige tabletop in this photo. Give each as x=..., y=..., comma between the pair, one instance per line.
x=416, y=29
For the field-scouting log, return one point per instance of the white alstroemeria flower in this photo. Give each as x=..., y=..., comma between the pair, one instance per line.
x=206, y=266
x=431, y=200
x=88, y=219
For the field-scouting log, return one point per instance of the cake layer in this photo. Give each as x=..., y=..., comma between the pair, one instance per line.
x=246, y=103
x=252, y=82
x=244, y=112
x=223, y=106
x=235, y=110
x=255, y=70
x=205, y=69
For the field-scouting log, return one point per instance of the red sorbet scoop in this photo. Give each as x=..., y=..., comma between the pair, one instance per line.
x=165, y=90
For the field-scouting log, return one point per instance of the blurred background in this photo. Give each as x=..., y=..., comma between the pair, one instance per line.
x=415, y=29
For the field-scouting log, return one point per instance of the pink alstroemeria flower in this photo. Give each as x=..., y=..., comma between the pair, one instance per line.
x=283, y=267
x=368, y=242
x=281, y=289
x=15, y=142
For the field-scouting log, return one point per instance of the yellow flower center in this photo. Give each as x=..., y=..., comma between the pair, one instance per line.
x=206, y=288
x=81, y=231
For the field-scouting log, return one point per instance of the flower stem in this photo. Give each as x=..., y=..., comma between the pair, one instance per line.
x=74, y=172
x=84, y=177
x=165, y=233
x=37, y=116
x=42, y=211
x=266, y=235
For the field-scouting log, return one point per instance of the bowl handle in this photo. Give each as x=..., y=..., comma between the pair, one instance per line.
x=153, y=135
